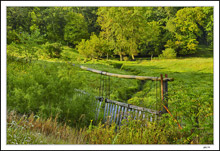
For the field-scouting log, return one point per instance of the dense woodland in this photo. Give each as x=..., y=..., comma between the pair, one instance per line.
x=111, y=31
x=43, y=106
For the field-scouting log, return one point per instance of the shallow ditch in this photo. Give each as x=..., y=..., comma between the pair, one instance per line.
x=141, y=83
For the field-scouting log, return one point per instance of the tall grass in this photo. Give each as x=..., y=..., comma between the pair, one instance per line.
x=23, y=129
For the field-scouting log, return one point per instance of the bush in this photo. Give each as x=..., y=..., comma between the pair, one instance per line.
x=13, y=50
x=54, y=49
x=168, y=53
x=12, y=36
x=95, y=47
x=26, y=45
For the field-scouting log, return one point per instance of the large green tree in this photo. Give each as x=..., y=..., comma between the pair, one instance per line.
x=90, y=16
x=76, y=28
x=188, y=31
x=123, y=28
x=18, y=20
x=208, y=25
x=55, y=23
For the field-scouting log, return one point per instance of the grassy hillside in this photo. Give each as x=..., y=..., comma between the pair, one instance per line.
x=47, y=88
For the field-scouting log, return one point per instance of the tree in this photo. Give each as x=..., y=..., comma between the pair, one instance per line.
x=208, y=24
x=54, y=18
x=76, y=28
x=94, y=47
x=18, y=20
x=90, y=16
x=151, y=39
x=188, y=23
x=122, y=27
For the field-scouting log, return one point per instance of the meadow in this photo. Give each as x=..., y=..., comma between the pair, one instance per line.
x=44, y=106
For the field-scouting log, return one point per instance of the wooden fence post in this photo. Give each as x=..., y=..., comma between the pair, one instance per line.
x=161, y=91
x=164, y=92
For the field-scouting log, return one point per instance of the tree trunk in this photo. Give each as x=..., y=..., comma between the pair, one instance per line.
x=107, y=56
x=151, y=57
x=132, y=57
x=121, y=58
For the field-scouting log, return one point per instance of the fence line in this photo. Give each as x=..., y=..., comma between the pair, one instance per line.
x=124, y=76
x=116, y=111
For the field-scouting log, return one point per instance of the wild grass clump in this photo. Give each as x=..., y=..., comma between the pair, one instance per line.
x=135, y=132
x=47, y=131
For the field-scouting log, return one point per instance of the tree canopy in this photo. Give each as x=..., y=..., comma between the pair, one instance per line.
x=122, y=31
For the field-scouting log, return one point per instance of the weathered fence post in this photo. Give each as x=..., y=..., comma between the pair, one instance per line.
x=161, y=89
x=164, y=93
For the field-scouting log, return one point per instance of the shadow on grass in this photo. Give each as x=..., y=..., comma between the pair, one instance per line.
x=202, y=52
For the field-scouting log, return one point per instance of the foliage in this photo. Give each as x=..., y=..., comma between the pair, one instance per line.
x=90, y=16
x=13, y=50
x=95, y=47
x=188, y=23
x=18, y=20
x=12, y=35
x=122, y=31
x=53, y=49
x=76, y=28
x=45, y=91
x=52, y=22
x=70, y=54
x=122, y=27
x=30, y=43
x=208, y=11
x=168, y=53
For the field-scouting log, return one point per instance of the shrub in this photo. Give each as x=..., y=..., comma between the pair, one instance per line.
x=95, y=47
x=13, y=50
x=168, y=53
x=26, y=46
x=41, y=53
x=12, y=36
x=53, y=49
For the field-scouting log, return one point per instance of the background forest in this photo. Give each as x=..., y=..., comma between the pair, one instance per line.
x=43, y=101
x=110, y=31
